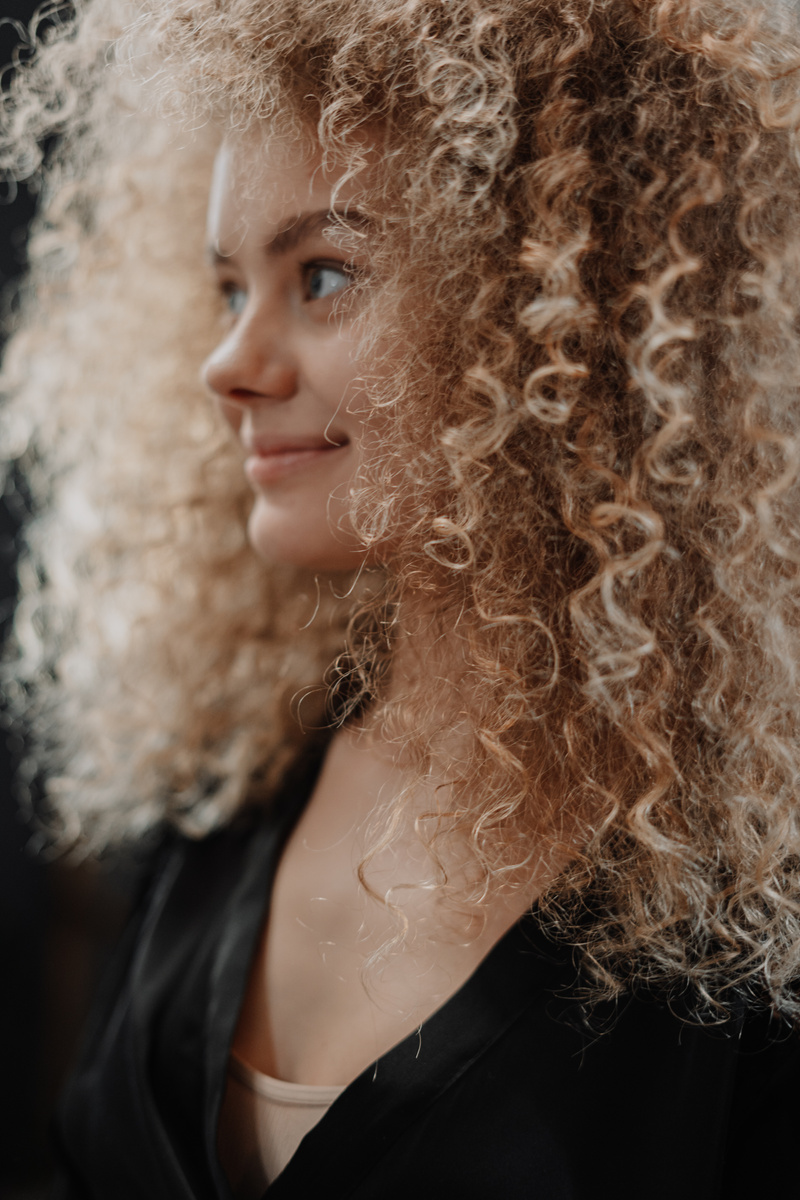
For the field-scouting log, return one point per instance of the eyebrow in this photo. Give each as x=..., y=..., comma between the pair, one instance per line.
x=299, y=229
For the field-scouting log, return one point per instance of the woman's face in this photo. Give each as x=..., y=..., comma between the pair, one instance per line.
x=285, y=373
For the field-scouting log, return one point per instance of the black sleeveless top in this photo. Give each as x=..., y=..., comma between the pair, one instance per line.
x=501, y=1093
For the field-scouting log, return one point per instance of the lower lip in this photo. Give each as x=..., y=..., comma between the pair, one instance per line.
x=262, y=469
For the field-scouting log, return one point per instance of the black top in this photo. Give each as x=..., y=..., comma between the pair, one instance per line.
x=502, y=1093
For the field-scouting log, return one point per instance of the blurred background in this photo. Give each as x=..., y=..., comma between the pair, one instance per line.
x=25, y=895
x=57, y=920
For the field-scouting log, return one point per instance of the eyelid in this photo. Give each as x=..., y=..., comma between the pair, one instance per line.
x=333, y=264
x=225, y=285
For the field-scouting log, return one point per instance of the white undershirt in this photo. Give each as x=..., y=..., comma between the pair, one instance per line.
x=262, y=1123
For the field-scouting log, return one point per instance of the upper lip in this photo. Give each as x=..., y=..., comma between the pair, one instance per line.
x=264, y=445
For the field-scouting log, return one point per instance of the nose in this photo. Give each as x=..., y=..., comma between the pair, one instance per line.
x=252, y=363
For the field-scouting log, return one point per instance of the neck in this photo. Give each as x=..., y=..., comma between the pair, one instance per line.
x=418, y=746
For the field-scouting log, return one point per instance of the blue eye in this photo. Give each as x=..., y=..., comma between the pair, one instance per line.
x=235, y=300
x=324, y=281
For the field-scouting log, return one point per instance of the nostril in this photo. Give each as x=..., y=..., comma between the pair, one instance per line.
x=242, y=395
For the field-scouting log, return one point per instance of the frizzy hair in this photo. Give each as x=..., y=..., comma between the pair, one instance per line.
x=587, y=232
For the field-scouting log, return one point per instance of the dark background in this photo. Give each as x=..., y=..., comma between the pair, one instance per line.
x=24, y=883
x=43, y=970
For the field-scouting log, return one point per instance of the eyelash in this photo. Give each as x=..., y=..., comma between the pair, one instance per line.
x=230, y=289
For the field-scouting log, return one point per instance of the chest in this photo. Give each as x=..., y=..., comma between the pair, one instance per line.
x=500, y=1087
x=330, y=990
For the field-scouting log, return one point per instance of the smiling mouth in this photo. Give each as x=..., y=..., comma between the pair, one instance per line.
x=267, y=463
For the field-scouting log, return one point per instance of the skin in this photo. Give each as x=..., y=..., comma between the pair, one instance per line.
x=285, y=374
x=287, y=379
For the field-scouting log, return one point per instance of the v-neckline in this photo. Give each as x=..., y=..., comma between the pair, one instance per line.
x=378, y=1104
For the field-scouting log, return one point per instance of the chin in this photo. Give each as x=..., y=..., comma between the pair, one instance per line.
x=290, y=544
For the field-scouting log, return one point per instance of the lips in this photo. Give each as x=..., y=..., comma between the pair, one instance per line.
x=271, y=459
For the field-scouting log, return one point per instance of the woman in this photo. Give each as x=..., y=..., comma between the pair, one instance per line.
x=453, y=650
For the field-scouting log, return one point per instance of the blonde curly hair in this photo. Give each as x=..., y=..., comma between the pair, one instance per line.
x=588, y=235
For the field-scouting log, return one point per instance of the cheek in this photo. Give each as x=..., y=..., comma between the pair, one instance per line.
x=327, y=357
x=340, y=385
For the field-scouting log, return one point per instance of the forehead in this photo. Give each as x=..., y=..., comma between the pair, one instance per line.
x=258, y=191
